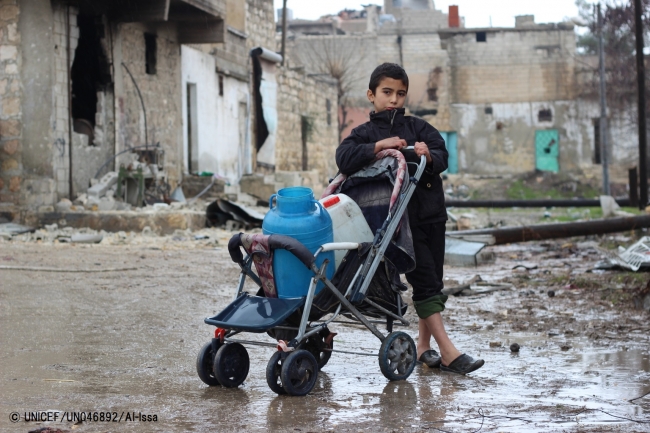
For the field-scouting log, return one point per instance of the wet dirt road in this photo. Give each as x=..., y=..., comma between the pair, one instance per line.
x=126, y=342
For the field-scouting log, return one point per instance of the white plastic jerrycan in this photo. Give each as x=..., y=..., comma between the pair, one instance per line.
x=348, y=222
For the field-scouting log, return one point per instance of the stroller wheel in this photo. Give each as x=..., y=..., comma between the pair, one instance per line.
x=273, y=372
x=397, y=356
x=299, y=372
x=204, y=362
x=231, y=365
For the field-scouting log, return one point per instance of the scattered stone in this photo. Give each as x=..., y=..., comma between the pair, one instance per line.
x=495, y=344
x=63, y=205
x=514, y=347
x=565, y=347
x=551, y=293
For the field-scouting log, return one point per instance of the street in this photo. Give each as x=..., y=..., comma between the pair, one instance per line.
x=116, y=327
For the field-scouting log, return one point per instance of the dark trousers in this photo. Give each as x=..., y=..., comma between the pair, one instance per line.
x=429, y=246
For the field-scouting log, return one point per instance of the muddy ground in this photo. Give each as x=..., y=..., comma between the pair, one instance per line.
x=126, y=340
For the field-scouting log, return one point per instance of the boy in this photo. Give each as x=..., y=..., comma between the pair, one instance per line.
x=388, y=128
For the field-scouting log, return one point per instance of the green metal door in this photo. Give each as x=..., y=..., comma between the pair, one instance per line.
x=452, y=148
x=547, y=150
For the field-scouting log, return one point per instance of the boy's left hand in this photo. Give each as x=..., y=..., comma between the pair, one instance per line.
x=421, y=148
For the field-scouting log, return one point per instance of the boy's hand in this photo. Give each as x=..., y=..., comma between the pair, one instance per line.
x=421, y=148
x=391, y=143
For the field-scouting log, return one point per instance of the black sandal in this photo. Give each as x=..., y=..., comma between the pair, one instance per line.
x=430, y=358
x=463, y=364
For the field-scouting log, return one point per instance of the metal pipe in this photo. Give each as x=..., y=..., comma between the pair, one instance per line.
x=602, y=123
x=531, y=203
x=640, y=76
x=284, y=30
x=68, y=58
x=508, y=235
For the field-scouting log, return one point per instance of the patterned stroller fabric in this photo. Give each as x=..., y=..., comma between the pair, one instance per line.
x=375, y=189
x=257, y=245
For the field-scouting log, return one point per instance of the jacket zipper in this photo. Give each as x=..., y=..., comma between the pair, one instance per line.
x=392, y=117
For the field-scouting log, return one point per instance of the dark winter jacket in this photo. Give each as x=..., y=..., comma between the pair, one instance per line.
x=358, y=150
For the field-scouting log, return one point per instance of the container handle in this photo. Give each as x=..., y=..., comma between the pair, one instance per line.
x=322, y=209
x=271, y=201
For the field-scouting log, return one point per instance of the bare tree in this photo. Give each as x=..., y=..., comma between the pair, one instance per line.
x=339, y=57
x=618, y=34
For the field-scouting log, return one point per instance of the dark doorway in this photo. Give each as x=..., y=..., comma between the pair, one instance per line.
x=90, y=72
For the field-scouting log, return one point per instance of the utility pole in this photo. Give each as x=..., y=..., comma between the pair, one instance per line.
x=640, y=76
x=284, y=30
x=603, y=105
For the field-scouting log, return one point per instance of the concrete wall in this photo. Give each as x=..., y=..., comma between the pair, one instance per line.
x=306, y=97
x=221, y=119
x=504, y=141
x=11, y=97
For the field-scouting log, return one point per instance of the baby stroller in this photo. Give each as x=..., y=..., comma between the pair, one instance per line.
x=364, y=290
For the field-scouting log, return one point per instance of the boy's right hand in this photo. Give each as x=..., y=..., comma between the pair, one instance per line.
x=390, y=143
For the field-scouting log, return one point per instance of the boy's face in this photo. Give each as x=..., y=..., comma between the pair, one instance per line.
x=389, y=95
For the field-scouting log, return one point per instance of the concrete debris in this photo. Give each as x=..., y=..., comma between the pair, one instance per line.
x=179, y=239
x=99, y=189
x=459, y=252
x=14, y=229
x=86, y=238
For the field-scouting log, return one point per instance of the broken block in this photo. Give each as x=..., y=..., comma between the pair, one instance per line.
x=100, y=188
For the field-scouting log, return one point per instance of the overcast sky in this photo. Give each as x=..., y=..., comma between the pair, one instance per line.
x=477, y=13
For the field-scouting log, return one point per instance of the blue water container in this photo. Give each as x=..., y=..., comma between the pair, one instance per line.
x=297, y=214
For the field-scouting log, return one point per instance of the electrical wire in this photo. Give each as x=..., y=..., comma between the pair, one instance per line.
x=144, y=111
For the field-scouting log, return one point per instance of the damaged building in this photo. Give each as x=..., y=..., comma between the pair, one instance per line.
x=506, y=100
x=173, y=88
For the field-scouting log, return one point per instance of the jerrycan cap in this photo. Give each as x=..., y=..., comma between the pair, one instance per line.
x=331, y=201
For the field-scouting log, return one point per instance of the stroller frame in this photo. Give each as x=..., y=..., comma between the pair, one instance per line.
x=293, y=369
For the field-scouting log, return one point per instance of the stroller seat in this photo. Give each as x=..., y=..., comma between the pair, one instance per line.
x=255, y=313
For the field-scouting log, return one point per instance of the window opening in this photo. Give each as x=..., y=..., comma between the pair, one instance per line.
x=192, y=130
x=488, y=110
x=89, y=74
x=481, y=37
x=150, y=48
x=545, y=115
x=597, y=158
x=220, y=85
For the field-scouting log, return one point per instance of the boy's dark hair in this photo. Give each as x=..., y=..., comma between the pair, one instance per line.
x=390, y=70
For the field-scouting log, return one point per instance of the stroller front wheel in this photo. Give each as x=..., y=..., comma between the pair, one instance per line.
x=231, y=364
x=299, y=372
x=204, y=363
x=273, y=373
x=397, y=356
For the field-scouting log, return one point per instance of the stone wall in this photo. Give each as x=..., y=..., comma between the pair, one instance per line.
x=160, y=92
x=260, y=24
x=10, y=104
x=512, y=65
x=305, y=116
